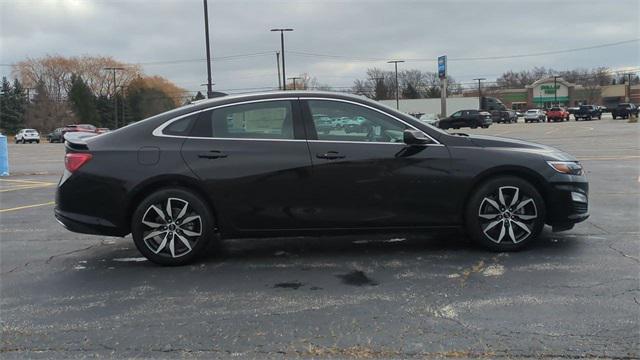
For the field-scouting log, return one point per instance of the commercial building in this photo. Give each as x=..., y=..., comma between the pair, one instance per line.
x=549, y=91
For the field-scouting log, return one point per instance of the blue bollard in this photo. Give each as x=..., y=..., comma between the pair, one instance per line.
x=4, y=156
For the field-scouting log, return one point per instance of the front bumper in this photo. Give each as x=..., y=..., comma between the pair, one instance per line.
x=567, y=204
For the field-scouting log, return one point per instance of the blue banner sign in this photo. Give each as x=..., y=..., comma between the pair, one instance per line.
x=442, y=66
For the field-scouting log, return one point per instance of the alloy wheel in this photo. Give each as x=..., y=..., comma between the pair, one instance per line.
x=508, y=215
x=172, y=228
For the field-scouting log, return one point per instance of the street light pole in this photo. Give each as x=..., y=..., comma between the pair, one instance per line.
x=480, y=92
x=395, y=62
x=278, y=64
x=294, y=81
x=206, y=35
x=115, y=98
x=284, y=76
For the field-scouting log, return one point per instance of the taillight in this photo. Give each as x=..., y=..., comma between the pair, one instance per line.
x=73, y=161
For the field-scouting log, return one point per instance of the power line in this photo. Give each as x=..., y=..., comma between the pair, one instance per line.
x=497, y=57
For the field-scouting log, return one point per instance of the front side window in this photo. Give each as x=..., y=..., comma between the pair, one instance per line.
x=261, y=120
x=341, y=121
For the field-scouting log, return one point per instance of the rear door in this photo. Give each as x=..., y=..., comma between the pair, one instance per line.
x=368, y=178
x=254, y=161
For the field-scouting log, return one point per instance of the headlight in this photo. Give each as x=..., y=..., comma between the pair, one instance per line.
x=566, y=167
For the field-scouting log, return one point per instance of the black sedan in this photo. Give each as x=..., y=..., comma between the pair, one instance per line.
x=467, y=118
x=256, y=166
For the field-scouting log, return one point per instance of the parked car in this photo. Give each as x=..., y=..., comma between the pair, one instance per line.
x=536, y=115
x=573, y=109
x=557, y=114
x=624, y=110
x=27, y=136
x=466, y=118
x=504, y=116
x=431, y=119
x=179, y=180
x=102, y=130
x=588, y=112
x=56, y=136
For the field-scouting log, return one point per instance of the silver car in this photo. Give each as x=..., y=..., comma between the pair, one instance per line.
x=536, y=115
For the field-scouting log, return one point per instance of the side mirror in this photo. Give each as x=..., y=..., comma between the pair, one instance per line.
x=415, y=137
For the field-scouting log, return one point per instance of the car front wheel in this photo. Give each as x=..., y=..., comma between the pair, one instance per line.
x=505, y=214
x=172, y=226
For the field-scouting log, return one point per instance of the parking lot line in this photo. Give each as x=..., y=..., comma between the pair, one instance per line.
x=26, y=207
x=27, y=181
x=23, y=187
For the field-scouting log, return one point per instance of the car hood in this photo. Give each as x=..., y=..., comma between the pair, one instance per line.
x=520, y=145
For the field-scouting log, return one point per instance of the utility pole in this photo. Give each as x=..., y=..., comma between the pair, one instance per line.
x=555, y=90
x=278, y=64
x=284, y=76
x=294, y=81
x=627, y=98
x=480, y=93
x=395, y=62
x=206, y=36
x=115, y=98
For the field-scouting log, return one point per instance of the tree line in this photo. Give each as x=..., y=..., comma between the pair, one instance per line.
x=54, y=91
x=415, y=84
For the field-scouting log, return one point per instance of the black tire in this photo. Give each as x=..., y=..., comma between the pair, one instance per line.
x=201, y=230
x=504, y=232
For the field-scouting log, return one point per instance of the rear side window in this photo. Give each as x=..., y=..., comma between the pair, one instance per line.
x=181, y=126
x=261, y=120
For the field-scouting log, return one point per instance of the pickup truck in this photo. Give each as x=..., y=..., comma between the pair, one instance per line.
x=624, y=110
x=504, y=116
x=588, y=112
x=557, y=114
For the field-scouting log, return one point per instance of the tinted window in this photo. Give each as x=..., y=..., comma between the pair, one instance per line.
x=180, y=127
x=261, y=120
x=340, y=121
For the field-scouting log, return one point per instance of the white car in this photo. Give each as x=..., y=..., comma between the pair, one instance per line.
x=27, y=135
x=536, y=115
x=431, y=119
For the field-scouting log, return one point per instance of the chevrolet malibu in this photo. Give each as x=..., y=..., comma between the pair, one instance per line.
x=256, y=166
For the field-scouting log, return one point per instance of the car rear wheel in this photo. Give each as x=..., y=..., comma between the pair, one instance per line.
x=505, y=214
x=172, y=226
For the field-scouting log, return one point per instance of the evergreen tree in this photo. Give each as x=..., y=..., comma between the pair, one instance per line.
x=83, y=102
x=11, y=107
x=410, y=92
x=198, y=96
x=21, y=101
x=41, y=112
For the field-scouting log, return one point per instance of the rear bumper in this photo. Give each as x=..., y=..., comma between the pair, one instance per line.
x=87, y=224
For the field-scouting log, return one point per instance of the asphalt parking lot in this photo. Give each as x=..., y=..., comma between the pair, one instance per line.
x=573, y=294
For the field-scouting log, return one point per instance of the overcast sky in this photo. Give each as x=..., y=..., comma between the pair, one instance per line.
x=361, y=33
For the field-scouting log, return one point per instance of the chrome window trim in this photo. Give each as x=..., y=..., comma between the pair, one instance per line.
x=158, y=130
x=436, y=142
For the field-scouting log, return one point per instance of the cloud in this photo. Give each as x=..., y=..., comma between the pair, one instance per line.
x=143, y=31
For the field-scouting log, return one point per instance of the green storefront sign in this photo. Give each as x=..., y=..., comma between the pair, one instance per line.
x=549, y=89
x=546, y=99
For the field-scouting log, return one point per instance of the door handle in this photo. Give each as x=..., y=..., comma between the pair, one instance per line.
x=330, y=155
x=213, y=154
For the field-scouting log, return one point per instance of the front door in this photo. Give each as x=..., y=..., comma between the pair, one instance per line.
x=367, y=176
x=254, y=161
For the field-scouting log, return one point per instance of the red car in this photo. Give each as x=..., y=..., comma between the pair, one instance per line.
x=557, y=114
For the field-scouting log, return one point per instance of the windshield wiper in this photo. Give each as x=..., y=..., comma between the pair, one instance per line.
x=459, y=134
